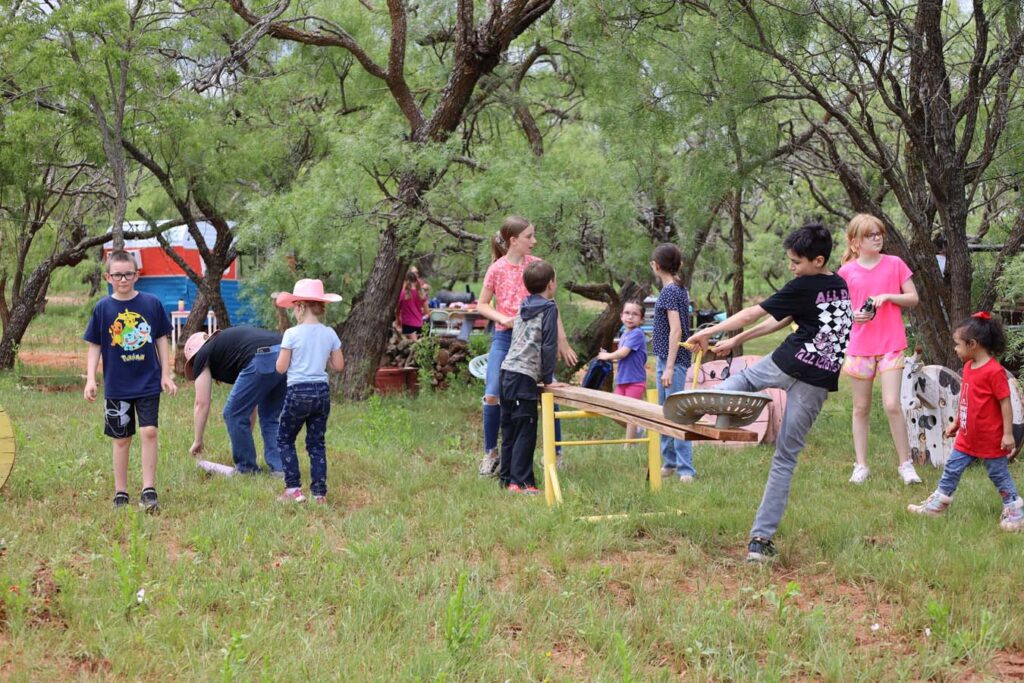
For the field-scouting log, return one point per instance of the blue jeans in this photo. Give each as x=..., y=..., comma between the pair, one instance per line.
x=309, y=404
x=803, y=403
x=265, y=392
x=997, y=468
x=674, y=452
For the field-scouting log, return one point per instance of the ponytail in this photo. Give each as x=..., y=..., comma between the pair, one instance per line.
x=512, y=227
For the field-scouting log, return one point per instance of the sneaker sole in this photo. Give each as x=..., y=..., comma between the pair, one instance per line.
x=758, y=558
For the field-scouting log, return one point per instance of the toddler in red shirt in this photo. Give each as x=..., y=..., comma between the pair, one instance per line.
x=984, y=424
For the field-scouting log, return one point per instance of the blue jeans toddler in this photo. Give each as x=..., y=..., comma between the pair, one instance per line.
x=997, y=468
x=308, y=404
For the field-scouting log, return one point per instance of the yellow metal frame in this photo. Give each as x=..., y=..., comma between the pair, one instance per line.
x=552, y=489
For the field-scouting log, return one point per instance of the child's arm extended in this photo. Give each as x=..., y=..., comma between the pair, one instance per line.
x=92, y=363
x=336, y=360
x=745, y=317
x=163, y=349
x=617, y=354
x=767, y=327
x=1007, y=443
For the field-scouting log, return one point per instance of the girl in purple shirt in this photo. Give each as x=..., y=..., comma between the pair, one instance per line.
x=631, y=374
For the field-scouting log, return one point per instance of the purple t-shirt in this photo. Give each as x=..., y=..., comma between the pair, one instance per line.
x=633, y=368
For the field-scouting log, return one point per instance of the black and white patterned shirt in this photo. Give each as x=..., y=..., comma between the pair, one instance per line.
x=672, y=298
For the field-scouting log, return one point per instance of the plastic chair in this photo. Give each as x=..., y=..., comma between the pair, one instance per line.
x=440, y=323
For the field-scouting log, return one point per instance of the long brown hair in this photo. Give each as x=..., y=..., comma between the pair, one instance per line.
x=860, y=225
x=669, y=259
x=512, y=227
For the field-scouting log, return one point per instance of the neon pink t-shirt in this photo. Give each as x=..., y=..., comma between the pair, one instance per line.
x=410, y=307
x=885, y=333
x=505, y=279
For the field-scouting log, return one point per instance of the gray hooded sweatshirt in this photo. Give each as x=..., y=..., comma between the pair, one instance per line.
x=534, y=345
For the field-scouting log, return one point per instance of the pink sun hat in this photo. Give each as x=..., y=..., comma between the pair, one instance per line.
x=306, y=289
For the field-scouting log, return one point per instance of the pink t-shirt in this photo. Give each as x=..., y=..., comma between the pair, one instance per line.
x=410, y=307
x=505, y=279
x=885, y=333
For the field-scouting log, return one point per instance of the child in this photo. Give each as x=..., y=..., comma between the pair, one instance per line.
x=671, y=326
x=877, y=339
x=511, y=249
x=806, y=365
x=984, y=430
x=530, y=359
x=412, y=307
x=129, y=330
x=631, y=374
x=306, y=350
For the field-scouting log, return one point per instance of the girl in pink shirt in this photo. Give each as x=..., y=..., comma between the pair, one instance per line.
x=412, y=307
x=880, y=287
x=511, y=249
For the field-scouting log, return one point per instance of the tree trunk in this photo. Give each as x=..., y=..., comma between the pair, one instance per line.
x=24, y=309
x=736, y=301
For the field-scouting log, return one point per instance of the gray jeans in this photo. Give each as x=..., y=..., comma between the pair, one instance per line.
x=803, y=403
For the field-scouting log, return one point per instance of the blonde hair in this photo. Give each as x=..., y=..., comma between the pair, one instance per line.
x=860, y=225
x=317, y=308
x=512, y=227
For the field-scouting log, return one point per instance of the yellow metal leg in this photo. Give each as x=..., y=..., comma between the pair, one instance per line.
x=552, y=491
x=653, y=449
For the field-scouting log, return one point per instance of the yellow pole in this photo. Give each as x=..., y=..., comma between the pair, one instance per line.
x=654, y=448
x=552, y=492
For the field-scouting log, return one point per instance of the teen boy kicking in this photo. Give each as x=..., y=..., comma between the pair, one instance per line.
x=806, y=365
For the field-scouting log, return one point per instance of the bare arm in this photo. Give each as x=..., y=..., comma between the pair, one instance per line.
x=163, y=349
x=907, y=298
x=675, y=335
x=738, y=321
x=565, y=351
x=617, y=354
x=484, y=307
x=201, y=410
x=765, y=328
x=92, y=364
x=284, y=360
x=336, y=361
x=1006, y=409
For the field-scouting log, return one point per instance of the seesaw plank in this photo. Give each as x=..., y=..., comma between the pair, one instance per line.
x=6, y=447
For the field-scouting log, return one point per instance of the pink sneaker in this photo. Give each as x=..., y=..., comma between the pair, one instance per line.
x=532, y=490
x=292, y=496
x=933, y=506
x=320, y=500
x=515, y=488
x=1012, y=518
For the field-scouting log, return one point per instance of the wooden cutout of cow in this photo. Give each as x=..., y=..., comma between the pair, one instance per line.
x=930, y=395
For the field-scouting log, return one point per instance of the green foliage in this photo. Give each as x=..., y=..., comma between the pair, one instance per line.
x=465, y=625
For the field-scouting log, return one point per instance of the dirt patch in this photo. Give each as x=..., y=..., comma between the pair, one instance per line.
x=44, y=592
x=88, y=664
x=1004, y=666
x=570, y=657
x=66, y=299
x=52, y=359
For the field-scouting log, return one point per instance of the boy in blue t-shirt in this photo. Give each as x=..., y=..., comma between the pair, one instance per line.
x=129, y=331
x=806, y=365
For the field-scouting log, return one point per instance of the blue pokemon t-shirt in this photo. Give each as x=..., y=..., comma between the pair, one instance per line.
x=126, y=332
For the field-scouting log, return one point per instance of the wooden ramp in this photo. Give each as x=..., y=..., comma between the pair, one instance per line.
x=647, y=415
x=6, y=447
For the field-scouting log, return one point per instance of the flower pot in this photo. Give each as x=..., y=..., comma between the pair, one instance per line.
x=396, y=380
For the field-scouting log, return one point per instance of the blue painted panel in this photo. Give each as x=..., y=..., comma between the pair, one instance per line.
x=172, y=289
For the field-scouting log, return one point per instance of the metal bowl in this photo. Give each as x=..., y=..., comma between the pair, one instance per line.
x=733, y=408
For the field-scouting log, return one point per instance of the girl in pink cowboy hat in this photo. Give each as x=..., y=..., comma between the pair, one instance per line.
x=307, y=350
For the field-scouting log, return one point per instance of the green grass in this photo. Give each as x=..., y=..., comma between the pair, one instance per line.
x=419, y=570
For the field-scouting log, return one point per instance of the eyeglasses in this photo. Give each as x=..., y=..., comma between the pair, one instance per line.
x=873, y=236
x=122, y=276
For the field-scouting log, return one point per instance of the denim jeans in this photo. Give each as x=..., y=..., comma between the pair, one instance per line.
x=997, y=468
x=803, y=403
x=675, y=452
x=500, y=343
x=265, y=392
x=308, y=404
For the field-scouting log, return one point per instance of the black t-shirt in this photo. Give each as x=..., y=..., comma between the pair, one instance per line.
x=231, y=350
x=821, y=308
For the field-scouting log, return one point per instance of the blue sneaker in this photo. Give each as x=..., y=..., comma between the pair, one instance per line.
x=761, y=550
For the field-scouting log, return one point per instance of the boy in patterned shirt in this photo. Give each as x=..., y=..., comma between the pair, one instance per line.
x=806, y=364
x=129, y=330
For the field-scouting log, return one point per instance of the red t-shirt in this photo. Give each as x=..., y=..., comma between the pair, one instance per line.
x=981, y=420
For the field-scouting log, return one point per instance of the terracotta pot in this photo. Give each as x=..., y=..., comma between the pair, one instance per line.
x=396, y=380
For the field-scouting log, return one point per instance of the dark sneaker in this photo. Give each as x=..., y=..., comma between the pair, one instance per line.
x=148, y=501
x=760, y=550
x=120, y=499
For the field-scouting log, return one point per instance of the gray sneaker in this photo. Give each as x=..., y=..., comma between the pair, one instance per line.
x=559, y=462
x=668, y=471
x=489, y=464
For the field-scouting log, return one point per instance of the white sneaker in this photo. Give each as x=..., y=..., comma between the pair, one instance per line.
x=860, y=474
x=489, y=464
x=908, y=473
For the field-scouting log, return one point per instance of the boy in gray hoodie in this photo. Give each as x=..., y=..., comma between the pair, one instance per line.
x=530, y=360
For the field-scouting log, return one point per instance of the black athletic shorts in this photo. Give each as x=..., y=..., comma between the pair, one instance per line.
x=119, y=415
x=412, y=329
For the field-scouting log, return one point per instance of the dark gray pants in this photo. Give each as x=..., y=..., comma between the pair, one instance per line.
x=518, y=441
x=803, y=403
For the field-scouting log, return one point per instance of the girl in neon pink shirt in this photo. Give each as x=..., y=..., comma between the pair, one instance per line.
x=511, y=249
x=880, y=287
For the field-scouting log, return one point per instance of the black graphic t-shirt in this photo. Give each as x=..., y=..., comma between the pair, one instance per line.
x=820, y=306
x=231, y=351
x=126, y=332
